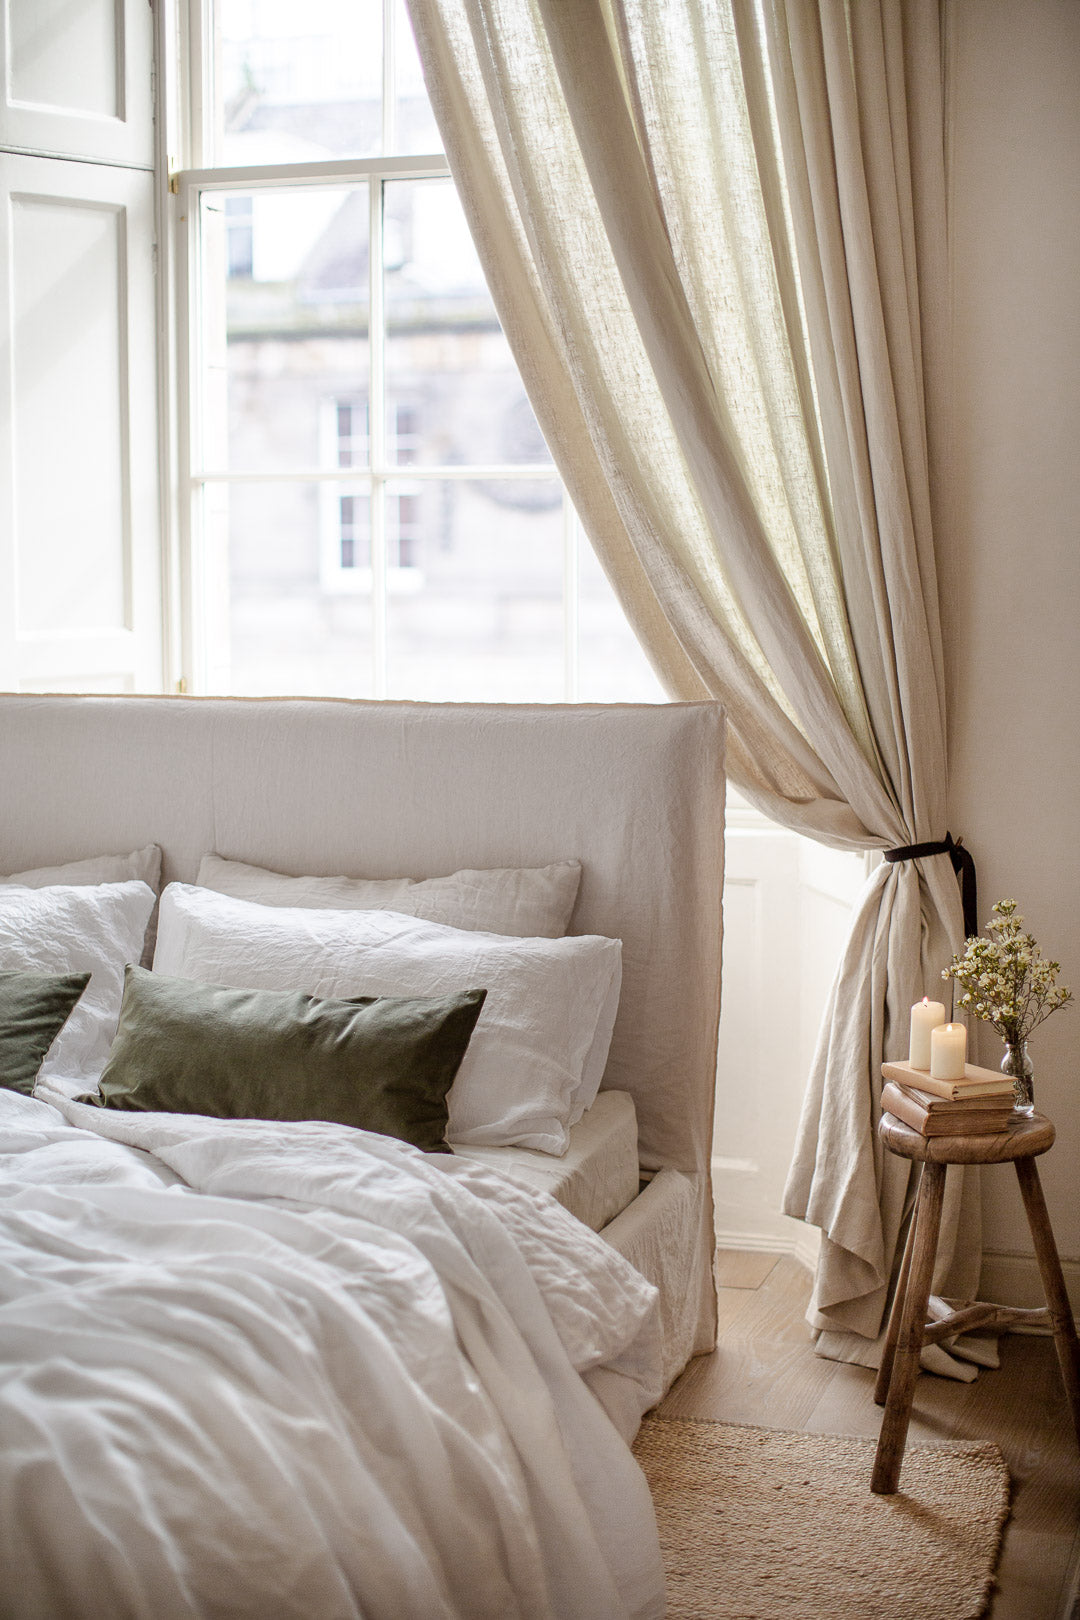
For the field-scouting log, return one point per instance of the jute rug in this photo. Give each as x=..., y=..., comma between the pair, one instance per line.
x=763, y=1524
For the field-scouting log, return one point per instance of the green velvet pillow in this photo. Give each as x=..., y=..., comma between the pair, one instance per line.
x=34, y=1007
x=382, y=1063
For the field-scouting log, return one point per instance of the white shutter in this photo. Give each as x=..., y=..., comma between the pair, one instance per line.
x=79, y=526
x=76, y=79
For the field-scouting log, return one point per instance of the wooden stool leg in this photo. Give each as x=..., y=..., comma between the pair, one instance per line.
x=894, y=1425
x=1068, y=1347
x=888, y=1354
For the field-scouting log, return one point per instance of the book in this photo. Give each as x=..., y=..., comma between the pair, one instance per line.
x=940, y=1116
x=954, y=1105
x=976, y=1082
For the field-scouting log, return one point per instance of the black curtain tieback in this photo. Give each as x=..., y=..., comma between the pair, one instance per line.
x=963, y=865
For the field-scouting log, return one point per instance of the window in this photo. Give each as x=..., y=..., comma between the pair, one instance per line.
x=239, y=236
x=350, y=429
x=350, y=539
x=345, y=514
x=373, y=509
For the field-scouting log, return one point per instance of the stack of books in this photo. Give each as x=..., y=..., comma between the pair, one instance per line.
x=981, y=1104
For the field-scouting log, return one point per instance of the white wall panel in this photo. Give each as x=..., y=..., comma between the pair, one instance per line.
x=79, y=525
x=787, y=906
x=63, y=57
x=69, y=444
x=76, y=78
x=758, y=1083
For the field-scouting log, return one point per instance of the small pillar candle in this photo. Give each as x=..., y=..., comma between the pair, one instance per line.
x=948, y=1051
x=926, y=1015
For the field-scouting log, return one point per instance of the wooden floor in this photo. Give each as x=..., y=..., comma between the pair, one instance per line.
x=764, y=1371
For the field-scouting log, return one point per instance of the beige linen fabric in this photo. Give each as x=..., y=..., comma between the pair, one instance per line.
x=717, y=261
x=859, y=92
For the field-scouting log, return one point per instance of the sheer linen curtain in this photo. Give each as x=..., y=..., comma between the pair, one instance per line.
x=712, y=232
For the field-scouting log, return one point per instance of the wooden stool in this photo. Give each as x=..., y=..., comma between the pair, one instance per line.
x=1022, y=1141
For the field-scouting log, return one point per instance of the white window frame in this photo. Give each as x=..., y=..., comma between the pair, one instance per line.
x=186, y=51
x=200, y=594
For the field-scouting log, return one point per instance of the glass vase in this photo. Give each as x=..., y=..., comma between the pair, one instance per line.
x=1018, y=1066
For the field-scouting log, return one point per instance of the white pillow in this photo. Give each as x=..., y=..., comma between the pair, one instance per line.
x=518, y=1082
x=77, y=929
x=592, y=1073
x=530, y=902
x=143, y=865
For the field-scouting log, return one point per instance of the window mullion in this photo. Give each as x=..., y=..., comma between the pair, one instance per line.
x=377, y=437
x=202, y=69
x=389, y=97
x=350, y=171
x=200, y=646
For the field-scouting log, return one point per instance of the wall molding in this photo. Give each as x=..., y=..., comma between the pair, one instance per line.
x=755, y=1242
x=803, y=1246
x=1007, y=1277
x=1011, y=1278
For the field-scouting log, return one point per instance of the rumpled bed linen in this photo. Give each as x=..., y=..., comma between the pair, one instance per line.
x=267, y=1371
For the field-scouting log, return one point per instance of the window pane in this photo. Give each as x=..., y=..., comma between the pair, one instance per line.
x=453, y=389
x=285, y=301
x=416, y=129
x=288, y=588
x=612, y=668
x=474, y=567
x=475, y=608
x=297, y=83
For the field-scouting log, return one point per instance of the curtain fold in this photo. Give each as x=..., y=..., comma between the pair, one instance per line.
x=714, y=233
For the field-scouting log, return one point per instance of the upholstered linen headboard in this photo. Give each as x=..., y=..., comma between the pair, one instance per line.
x=635, y=792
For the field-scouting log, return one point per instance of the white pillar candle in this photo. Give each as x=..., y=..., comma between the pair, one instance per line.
x=925, y=1016
x=948, y=1051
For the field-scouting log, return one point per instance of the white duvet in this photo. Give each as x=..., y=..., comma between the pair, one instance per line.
x=304, y=1371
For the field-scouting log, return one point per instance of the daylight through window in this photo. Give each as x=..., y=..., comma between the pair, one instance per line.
x=374, y=509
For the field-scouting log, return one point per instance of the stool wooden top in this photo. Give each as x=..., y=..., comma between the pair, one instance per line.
x=1023, y=1138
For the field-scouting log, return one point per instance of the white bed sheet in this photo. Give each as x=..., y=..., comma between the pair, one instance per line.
x=308, y=1373
x=597, y=1176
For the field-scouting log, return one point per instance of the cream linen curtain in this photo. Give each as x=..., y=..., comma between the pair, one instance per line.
x=714, y=232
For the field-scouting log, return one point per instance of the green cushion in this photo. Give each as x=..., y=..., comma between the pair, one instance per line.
x=382, y=1063
x=34, y=1007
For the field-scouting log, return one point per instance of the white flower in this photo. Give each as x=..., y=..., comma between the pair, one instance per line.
x=1016, y=984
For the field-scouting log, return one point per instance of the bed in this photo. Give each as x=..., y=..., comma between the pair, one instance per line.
x=456, y=1362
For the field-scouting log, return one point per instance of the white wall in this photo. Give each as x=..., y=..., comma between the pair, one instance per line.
x=1009, y=549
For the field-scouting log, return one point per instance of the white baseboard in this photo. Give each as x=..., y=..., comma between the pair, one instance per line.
x=803, y=1245
x=1007, y=1278
x=1013, y=1279
x=756, y=1242
x=807, y=1247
